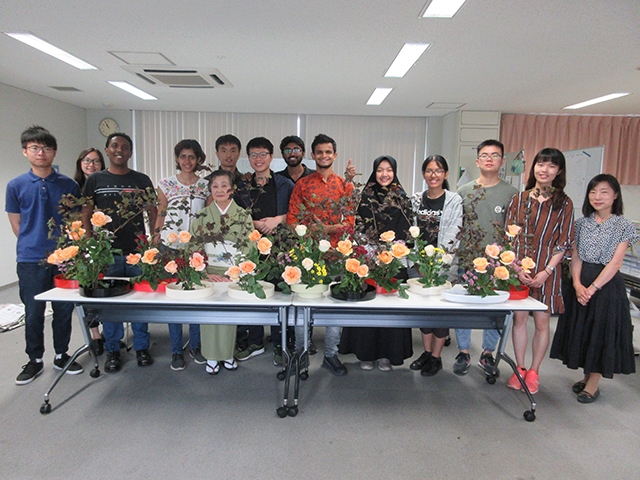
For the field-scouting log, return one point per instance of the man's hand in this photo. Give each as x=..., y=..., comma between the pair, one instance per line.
x=350, y=171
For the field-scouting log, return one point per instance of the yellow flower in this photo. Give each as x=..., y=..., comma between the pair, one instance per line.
x=507, y=257
x=501, y=273
x=480, y=264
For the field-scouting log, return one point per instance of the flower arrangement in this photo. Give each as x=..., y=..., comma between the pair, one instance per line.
x=432, y=263
x=388, y=262
x=305, y=261
x=351, y=266
x=498, y=269
x=152, y=259
x=189, y=262
x=255, y=266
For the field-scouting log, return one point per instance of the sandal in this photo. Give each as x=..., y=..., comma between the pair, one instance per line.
x=586, y=397
x=212, y=369
x=230, y=364
x=578, y=387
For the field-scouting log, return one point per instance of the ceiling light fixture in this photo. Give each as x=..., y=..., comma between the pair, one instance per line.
x=127, y=87
x=595, y=100
x=378, y=96
x=46, y=47
x=406, y=58
x=441, y=8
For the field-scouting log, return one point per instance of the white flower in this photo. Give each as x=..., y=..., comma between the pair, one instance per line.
x=429, y=250
x=447, y=258
x=324, y=245
x=301, y=230
x=414, y=231
x=307, y=263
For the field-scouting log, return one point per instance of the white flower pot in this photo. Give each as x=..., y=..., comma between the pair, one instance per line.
x=174, y=290
x=237, y=293
x=416, y=287
x=302, y=291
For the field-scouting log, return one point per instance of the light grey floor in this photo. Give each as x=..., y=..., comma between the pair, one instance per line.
x=153, y=423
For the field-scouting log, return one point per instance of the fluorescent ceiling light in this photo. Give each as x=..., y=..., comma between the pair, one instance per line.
x=378, y=96
x=127, y=87
x=441, y=8
x=595, y=100
x=406, y=58
x=49, y=49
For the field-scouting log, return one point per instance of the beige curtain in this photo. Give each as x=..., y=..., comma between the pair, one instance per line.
x=619, y=135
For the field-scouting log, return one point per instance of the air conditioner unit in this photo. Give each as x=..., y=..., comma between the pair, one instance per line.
x=174, y=77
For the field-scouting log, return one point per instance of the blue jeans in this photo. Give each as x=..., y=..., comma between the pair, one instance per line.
x=35, y=278
x=114, y=331
x=489, y=339
x=177, y=341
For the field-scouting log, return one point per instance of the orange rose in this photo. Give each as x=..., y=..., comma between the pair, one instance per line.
x=385, y=257
x=171, y=267
x=150, y=255
x=76, y=225
x=197, y=262
x=184, y=236
x=501, y=273
x=133, y=258
x=492, y=250
x=480, y=264
x=513, y=230
x=233, y=272
x=99, y=219
x=264, y=246
x=399, y=250
x=388, y=236
x=507, y=257
x=76, y=232
x=352, y=265
x=363, y=271
x=528, y=264
x=255, y=236
x=291, y=275
x=54, y=258
x=172, y=237
x=345, y=247
x=68, y=253
x=247, y=267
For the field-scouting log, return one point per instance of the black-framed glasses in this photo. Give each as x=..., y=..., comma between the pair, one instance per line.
x=91, y=161
x=430, y=172
x=37, y=149
x=486, y=156
x=288, y=151
x=262, y=155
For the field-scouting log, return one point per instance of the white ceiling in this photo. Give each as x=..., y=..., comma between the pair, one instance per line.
x=327, y=56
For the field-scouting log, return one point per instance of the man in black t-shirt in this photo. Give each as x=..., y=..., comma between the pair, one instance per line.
x=105, y=188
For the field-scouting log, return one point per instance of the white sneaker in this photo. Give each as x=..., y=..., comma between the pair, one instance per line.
x=366, y=365
x=384, y=365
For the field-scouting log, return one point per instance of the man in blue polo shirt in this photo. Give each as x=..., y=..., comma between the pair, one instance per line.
x=31, y=200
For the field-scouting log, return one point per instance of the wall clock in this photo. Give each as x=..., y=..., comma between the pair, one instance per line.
x=108, y=126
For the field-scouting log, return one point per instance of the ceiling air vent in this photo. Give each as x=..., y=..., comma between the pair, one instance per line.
x=180, y=77
x=66, y=89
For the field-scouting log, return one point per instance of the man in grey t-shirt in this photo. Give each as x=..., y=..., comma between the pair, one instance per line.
x=491, y=210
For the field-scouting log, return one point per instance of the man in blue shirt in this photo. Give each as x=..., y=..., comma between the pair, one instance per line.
x=31, y=200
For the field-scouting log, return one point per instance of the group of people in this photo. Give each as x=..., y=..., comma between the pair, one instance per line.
x=594, y=328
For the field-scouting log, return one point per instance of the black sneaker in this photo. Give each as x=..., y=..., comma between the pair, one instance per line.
x=112, y=364
x=488, y=364
x=197, y=356
x=144, y=359
x=250, y=351
x=74, y=369
x=177, y=362
x=433, y=366
x=334, y=365
x=420, y=361
x=461, y=365
x=29, y=372
x=277, y=356
x=312, y=348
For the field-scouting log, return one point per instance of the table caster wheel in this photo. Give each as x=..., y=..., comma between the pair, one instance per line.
x=45, y=408
x=304, y=375
x=94, y=373
x=281, y=375
x=491, y=380
x=293, y=411
x=447, y=342
x=529, y=416
x=282, y=412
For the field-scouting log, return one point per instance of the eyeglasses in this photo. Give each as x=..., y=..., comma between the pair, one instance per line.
x=36, y=149
x=262, y=155
x=486, y=156
x=288, y=151
x=90, y=161
x=430, y=172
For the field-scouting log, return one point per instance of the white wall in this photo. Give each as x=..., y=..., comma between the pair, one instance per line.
x=21, y=109
x=631, y=201
x=95, y=138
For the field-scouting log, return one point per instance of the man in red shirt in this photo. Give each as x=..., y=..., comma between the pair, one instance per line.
x=326, y=198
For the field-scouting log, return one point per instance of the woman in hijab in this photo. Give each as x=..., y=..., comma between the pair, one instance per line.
x=384, y=206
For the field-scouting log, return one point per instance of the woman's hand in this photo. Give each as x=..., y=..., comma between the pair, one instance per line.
x=582, y=294
x=540, y=279
x=218, y=278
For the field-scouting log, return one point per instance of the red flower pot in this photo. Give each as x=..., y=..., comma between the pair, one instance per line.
x=519, y=293
x=145, y=286
x=61, y=282
x=380, y=290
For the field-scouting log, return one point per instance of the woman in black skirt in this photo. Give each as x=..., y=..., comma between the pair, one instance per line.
x=595, y=332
